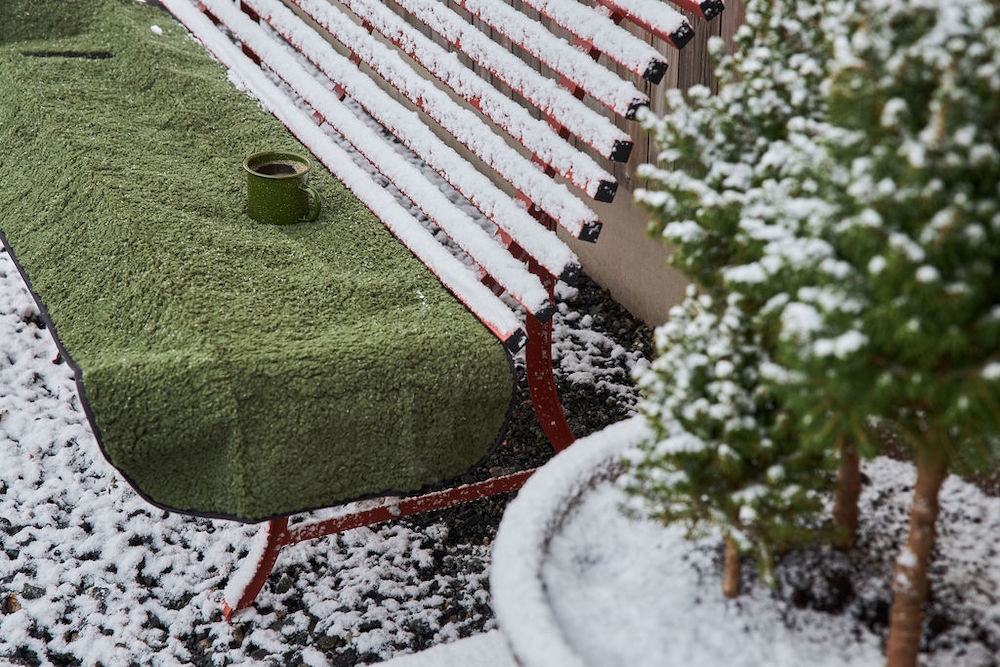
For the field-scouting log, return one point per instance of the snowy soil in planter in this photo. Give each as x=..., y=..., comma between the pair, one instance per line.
x=574, y=582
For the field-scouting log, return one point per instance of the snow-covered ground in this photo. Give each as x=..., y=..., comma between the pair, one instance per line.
x=90, y=573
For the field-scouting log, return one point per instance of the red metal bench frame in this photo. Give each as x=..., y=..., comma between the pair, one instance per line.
x=278, y=533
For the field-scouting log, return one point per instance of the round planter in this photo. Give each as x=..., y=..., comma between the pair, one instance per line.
x=520, y=598
x=575, y=583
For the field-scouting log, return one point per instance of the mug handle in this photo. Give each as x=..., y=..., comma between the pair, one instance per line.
x=314, y=213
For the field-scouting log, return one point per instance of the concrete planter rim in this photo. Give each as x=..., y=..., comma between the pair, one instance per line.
x=519, y=596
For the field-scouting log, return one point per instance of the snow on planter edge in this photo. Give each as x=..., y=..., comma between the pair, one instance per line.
x=529, y=522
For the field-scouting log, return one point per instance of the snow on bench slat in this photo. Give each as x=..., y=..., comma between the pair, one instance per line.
x=595, y=28
x=572, y=214
x=533, y=133
x=463, y=124
x=498, y=262
x=456, y=276
x=656, y=17
x=553, y=100
x=509, y=272
x=603, y=85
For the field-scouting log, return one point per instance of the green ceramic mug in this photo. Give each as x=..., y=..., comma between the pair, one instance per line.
x=277, y=192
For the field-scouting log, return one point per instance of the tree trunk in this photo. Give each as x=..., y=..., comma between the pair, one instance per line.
x=909, y=583
x=845, y=500
x=731, y=577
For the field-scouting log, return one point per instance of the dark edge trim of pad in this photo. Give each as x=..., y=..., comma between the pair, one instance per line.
x=91, y=419
x=79, y=55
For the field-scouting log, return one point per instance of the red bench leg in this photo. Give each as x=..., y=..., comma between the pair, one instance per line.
x=542, y=383
x=249, y=579
x=538, y=351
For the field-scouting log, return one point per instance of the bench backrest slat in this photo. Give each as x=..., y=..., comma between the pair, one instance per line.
x=650, y=15
x=467, y=127
x=496, y=205
x=579, y=71
x=594, y=29
x=558, y=104
x=571, y=213
x=534, y=134
x=662, y=21
x=510, y=272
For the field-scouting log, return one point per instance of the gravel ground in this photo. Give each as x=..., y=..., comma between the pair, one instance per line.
x=91, y=574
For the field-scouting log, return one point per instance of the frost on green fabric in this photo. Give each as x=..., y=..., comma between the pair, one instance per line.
x=232, y=368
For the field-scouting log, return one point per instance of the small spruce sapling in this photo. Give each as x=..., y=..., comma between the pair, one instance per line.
x=737, y=195
x=914, y=105
x=723, y=460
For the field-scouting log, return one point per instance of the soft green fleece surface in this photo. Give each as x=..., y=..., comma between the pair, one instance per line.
x=232, y=368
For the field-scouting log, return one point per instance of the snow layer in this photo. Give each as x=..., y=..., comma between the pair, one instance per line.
x=464, y=125
x=575, y=582
x=519, y=599
x=661, y=19
x=91, y=572
x=599, y=82
x=594, y=28
x=533, y=133
x=486, y=650
x=554, y=101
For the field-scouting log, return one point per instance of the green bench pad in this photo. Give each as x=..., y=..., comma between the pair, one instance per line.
x=230, y=368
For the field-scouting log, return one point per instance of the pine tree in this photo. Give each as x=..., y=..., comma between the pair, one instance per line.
x=915, y=138
x=854, y=211
x=723, y=460
x=729, y=166
x=738, y=196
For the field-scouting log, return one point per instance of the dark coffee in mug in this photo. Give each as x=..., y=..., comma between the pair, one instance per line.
x=279, y=169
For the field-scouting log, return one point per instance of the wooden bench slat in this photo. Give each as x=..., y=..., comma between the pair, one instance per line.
x=650, y=14
x=596, y=29
x=579, y=70
x=511, y=273
x=534, y=134
x=496, y=261
x=558, y=104
x=572, y=214
x=465, y=125
x=496, y=315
